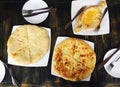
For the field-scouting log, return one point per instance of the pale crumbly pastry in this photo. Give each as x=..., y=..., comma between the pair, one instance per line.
x=90, y=18
x=73, y=59
x=28, y=44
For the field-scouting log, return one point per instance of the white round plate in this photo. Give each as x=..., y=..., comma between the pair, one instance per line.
x=35, y=4
x=115, y=71
x=2, y=71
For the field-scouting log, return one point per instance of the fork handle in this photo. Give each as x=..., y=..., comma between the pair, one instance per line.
x=24, y=11
x=14, y=81
x=33, y=14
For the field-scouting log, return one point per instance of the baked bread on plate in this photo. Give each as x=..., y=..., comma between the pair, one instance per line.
x=28, y=44
x=73, y=59
x=90, y=17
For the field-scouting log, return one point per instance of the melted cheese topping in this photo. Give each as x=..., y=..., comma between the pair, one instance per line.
x=90, y=16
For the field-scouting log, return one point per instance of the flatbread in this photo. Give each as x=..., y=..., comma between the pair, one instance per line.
x=28, y=44
x=73, y=59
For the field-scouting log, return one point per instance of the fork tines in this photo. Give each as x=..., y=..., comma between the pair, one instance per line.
x=31, y=10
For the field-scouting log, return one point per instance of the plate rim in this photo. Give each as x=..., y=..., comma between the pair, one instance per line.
x=3, y=71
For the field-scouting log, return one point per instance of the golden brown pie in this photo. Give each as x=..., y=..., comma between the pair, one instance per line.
x=28, y=44
x=90, y=18
x=73, y=59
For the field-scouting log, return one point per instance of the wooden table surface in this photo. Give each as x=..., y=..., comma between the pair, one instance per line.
x=10, y=14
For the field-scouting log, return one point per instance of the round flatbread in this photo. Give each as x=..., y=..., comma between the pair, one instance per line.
x=28, y=44
x=73, y=59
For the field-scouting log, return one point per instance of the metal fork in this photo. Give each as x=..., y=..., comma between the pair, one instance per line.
x=44, y=11
x=14, y=81
x=31, y=11
x=111, y=65
x=115, y=60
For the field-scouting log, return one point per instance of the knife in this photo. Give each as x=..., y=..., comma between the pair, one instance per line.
x=107, y=59
x=70, y=22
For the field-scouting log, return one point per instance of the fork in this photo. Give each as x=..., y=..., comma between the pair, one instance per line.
x=14, y=81
x=36, y=13
x=115, y=60
x=31, y=11
x=108, y=58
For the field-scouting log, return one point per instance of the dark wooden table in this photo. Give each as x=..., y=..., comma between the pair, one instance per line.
x=10, y=14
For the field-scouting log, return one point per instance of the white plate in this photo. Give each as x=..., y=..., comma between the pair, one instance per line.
x=42, y=62
x=35, y=4
x=115, y=71
x=2, y=71
x=59, y=39
x=104, y=26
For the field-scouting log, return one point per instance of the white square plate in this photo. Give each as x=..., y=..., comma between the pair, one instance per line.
x=41, y=63
x=104, y=26
x=59, y=39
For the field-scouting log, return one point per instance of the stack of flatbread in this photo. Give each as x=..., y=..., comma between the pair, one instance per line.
x=28, y=44
x=73, y=59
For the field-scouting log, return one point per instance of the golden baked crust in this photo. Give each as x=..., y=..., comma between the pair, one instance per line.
x=73, y=59
x=28, y=44
x=90, y=18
